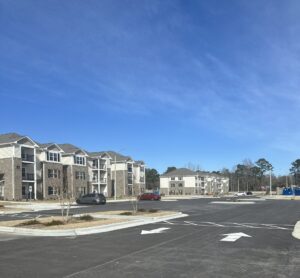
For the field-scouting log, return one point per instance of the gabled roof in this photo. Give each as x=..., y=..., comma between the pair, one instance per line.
x=10, y=138
x=118, y=156
x=180, y=173
x=97, y=154
x=47, y=145
x=70, y=149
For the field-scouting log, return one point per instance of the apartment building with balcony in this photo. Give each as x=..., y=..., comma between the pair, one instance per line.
x=186, y=182
x=75, y=169
x=127, y=174
x=139, y=177
x=29, y=169
x=18, y=167
x=100, y=172
x=49, y=171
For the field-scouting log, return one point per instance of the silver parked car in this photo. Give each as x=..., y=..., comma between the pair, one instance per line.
x=92, y=198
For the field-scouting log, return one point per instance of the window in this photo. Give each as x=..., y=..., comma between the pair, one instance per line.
x=80, y=160
x=51, y=190
x=1, y=188
x=80, y=175
x=23, y=172
x=173, y=178
x=172, y=184
x=54, y=173
x=81, y=191
x=95, y=163
x=53, y=156
x=180, y=185
x=180, y=178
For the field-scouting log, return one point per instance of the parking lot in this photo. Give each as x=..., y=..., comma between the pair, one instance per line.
x=215, y=240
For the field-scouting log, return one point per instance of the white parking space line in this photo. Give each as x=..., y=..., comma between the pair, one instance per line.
x=214, y=224
x=191, y=223
x=232, y=225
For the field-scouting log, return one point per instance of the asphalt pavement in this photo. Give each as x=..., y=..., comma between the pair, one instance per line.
x=215, y=240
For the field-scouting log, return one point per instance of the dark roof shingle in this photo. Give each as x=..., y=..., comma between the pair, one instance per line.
x=10, y=138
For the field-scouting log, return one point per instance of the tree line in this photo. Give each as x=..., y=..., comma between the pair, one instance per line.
x=245, y=176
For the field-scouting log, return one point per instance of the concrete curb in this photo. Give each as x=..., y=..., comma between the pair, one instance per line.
x=89, y=230
x=233, y=203
x=296, y=231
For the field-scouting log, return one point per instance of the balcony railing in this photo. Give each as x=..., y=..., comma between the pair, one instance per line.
x=27, y=157
x=102, y=180
x=28, y=177
x=101, y=167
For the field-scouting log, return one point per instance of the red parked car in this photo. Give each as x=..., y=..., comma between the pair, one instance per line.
x=149, y=196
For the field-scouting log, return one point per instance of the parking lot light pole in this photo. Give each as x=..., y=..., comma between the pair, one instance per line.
x=270, y=182
x=115, y=183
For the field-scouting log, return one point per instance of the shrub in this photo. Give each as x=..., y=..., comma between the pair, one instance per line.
x=126, y=213
x=53, y=223
x=142, y=210
x=152, y=210
x=86, y=217
x=29, y=222
x=1, y=206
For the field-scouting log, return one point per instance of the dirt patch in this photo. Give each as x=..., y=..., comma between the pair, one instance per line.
x=72, y=224
x=139, y=213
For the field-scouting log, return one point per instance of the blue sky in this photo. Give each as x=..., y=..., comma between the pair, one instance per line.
x=171, y=82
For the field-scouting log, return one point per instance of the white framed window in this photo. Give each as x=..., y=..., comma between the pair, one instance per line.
x=54, y=173
x=173, y=178
x=80, y=160
x=80, y=175
x=51, y=190
x=53, y=156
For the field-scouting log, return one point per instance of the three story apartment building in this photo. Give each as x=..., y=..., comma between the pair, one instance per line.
x=129, y=175
x=41, y=171
x=18, y=167
x=186, y=182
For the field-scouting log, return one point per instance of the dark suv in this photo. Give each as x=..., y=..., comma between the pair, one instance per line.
x=92, y=198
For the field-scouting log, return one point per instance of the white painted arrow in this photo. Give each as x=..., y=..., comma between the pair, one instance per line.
x=233, y=236
x=155, y=231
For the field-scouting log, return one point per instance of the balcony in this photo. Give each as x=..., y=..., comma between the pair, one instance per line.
x=27, y=157
x=102, y=167
x=28, y=177
x=96, y=180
